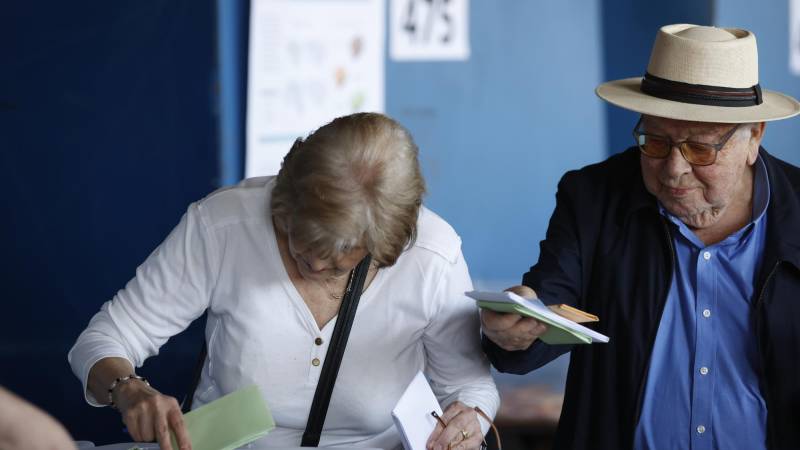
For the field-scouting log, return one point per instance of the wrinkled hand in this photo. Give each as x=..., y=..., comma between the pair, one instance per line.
x=150, y=415
x=24, y=426
x=512, y=331
x=459, y=418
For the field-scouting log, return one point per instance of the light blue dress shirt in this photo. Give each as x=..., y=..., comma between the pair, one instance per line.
x=702, y=388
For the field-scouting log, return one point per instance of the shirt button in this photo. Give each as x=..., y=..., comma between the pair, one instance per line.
x=315, y=362
x=706, y=313
x=706, y=255
x=704, y=370
x=701, y=429
x=318, y=341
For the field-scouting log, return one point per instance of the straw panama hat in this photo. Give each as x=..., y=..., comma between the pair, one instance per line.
x=702, y=74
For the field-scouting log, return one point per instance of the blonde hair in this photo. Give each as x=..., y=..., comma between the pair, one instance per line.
x=353, y=182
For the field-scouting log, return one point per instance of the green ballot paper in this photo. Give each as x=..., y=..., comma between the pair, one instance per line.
x=554, y=334
x=229, y=422
x=561, y=330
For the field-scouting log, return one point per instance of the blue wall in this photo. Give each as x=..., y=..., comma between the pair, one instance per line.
x=770, y=23
x=107, y=132
x=497, y=132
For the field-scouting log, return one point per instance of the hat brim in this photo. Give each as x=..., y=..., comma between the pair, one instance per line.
x=626, y=94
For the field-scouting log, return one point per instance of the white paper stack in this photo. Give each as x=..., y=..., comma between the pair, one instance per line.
x=412, y=414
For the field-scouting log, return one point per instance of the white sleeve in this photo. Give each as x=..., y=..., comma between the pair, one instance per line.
x=171, y=289
x=455, y=363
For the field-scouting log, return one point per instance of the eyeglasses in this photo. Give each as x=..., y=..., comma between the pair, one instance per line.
x=697, y=153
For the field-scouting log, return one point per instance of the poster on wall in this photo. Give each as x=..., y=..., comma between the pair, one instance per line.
x=794, y=36
x=429, y=30
x=309, y=62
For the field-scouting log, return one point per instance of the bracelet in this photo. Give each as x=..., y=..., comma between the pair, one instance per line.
x=122, y=380
x=484, y=445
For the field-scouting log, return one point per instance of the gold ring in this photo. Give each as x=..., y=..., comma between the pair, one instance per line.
x=464, y=435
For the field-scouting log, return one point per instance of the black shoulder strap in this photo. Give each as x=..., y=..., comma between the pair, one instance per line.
x=188, y=399
x=333, y=358
x=186, y=403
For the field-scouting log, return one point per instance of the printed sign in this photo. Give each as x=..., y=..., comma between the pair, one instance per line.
x=426, y=30
x=310, y=61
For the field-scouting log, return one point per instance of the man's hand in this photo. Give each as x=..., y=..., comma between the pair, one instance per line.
x=151, y=415
x=463, y=431
x=512, y=331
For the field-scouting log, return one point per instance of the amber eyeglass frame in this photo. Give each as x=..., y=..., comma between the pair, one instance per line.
x=696, y=153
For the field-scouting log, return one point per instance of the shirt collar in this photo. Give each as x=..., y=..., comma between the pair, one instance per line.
x=760, y=190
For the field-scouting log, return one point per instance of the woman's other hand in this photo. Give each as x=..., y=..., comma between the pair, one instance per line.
x=148, y=414
x=463, y=431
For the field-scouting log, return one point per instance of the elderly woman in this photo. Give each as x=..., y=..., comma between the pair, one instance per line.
x=269, y=260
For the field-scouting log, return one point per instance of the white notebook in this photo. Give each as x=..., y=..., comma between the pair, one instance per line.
x=412, y=414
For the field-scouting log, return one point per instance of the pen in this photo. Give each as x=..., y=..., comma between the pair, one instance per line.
x=439, y=419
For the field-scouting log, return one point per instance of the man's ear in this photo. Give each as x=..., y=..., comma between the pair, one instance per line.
x=756, y=135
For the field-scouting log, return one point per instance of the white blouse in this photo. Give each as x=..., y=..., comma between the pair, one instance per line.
x=223, y=257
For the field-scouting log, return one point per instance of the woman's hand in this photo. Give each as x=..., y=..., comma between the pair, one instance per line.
x=151, y=415
x=463, y=431
x=148, y=414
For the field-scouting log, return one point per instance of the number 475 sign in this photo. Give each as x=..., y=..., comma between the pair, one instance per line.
x=429, y=30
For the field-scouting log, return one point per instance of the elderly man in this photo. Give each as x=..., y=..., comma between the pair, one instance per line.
x=687, y=248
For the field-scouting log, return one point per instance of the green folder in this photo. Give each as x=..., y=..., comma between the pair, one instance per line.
x=229, y=422
x=555, y=333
